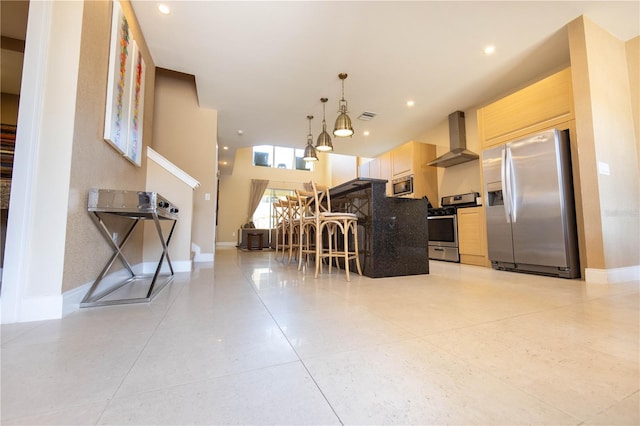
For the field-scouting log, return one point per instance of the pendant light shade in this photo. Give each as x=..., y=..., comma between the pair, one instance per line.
x=310, y=151
x=324, y=140
x=343, y=126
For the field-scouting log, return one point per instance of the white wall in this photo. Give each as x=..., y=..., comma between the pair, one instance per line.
x=33, y=267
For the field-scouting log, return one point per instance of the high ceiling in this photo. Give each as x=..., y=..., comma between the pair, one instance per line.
x=265, y=65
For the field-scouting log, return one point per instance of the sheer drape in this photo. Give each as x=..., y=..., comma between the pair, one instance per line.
x=258, y=186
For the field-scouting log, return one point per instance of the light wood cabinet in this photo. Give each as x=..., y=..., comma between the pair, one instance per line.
x=402, y=159
x=472, y=236
x=408, y=159
x=385, y=170
x=411, y=159
x=540, y=106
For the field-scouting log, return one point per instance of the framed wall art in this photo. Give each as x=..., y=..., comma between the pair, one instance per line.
x=136, y=107
x=119, y=82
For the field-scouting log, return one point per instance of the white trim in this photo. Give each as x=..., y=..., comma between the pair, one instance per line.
x=23, y=185
x=178, y=266
x=612, y=276
x=71, y=299
x=41, y=308
x=198, y=256
x=203, y=257
x=226, y=244
x=172, y=168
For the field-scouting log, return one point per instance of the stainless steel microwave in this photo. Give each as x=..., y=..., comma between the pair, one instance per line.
x=403, y=186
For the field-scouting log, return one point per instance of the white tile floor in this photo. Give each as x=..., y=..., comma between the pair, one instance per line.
x=253, y=341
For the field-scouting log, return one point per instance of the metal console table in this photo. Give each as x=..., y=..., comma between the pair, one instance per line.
x=137, y=206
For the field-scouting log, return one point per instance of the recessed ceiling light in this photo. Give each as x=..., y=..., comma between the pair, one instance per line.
x=410, y=103
x=489, y=50
x=240, y=132
x=164, y=9
x=225, y=147
x=366, y=133
x=224, y=163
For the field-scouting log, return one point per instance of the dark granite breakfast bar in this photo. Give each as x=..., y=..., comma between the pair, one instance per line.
x=392, y=231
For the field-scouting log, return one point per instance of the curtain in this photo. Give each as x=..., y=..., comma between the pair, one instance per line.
x=258, y=186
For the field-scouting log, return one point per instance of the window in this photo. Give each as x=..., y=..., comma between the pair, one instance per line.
x=262, y=155
x=263, y=217
x=280, y=157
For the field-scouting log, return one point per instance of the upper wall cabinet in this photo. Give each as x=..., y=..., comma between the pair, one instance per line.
x=540, y=106
x=408, y=159
x=402, y=159
x=385, y=170
x=411, y=159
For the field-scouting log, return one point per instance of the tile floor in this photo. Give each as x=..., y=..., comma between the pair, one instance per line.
x=252, y=341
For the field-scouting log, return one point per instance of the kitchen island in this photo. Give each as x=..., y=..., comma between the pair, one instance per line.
x=392, y=231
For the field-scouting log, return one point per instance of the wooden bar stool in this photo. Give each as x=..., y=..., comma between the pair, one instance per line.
x=292, y=228
x=335, y=223
x=307, y=225
x=279, y=209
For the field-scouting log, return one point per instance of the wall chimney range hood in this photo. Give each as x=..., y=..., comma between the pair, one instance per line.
x=457, y=142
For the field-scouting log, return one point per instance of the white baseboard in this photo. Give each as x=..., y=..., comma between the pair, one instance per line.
x=198, y=256
x=226, y=244
x=612, y=276
x=71, y=299
x=41, y=308
x=178, y=266
x=203, y=257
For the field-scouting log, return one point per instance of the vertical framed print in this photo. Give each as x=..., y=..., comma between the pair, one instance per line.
x=119, y=81
x=136, y=107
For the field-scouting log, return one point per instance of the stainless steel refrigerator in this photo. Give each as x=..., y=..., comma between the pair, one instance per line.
x=531, y=223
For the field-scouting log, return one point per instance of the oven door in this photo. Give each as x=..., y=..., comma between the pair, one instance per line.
x=443, y=230
x=443, y=238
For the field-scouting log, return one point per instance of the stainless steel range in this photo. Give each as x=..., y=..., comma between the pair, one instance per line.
x=443, y=226
x=136, y=206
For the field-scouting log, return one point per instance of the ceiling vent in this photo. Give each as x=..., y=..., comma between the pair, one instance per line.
x=367, y=116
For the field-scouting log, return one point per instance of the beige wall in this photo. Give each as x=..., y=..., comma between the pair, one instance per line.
x=186, y=135
x=94, y=162
x=633, y=62
x=9, y=111
x=606, y=137
x=234, y=189
x=179, y=193
x=343, y=168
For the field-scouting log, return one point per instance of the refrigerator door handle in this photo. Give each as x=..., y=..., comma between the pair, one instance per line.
x=504, y=182
x=513, y=195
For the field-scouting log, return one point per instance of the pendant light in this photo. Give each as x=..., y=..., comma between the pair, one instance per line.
x=310, y=151
x=324, y=140
x=343, y=122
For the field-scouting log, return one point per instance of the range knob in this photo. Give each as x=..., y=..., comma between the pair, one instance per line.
x=163, y=204
x=174, y=210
